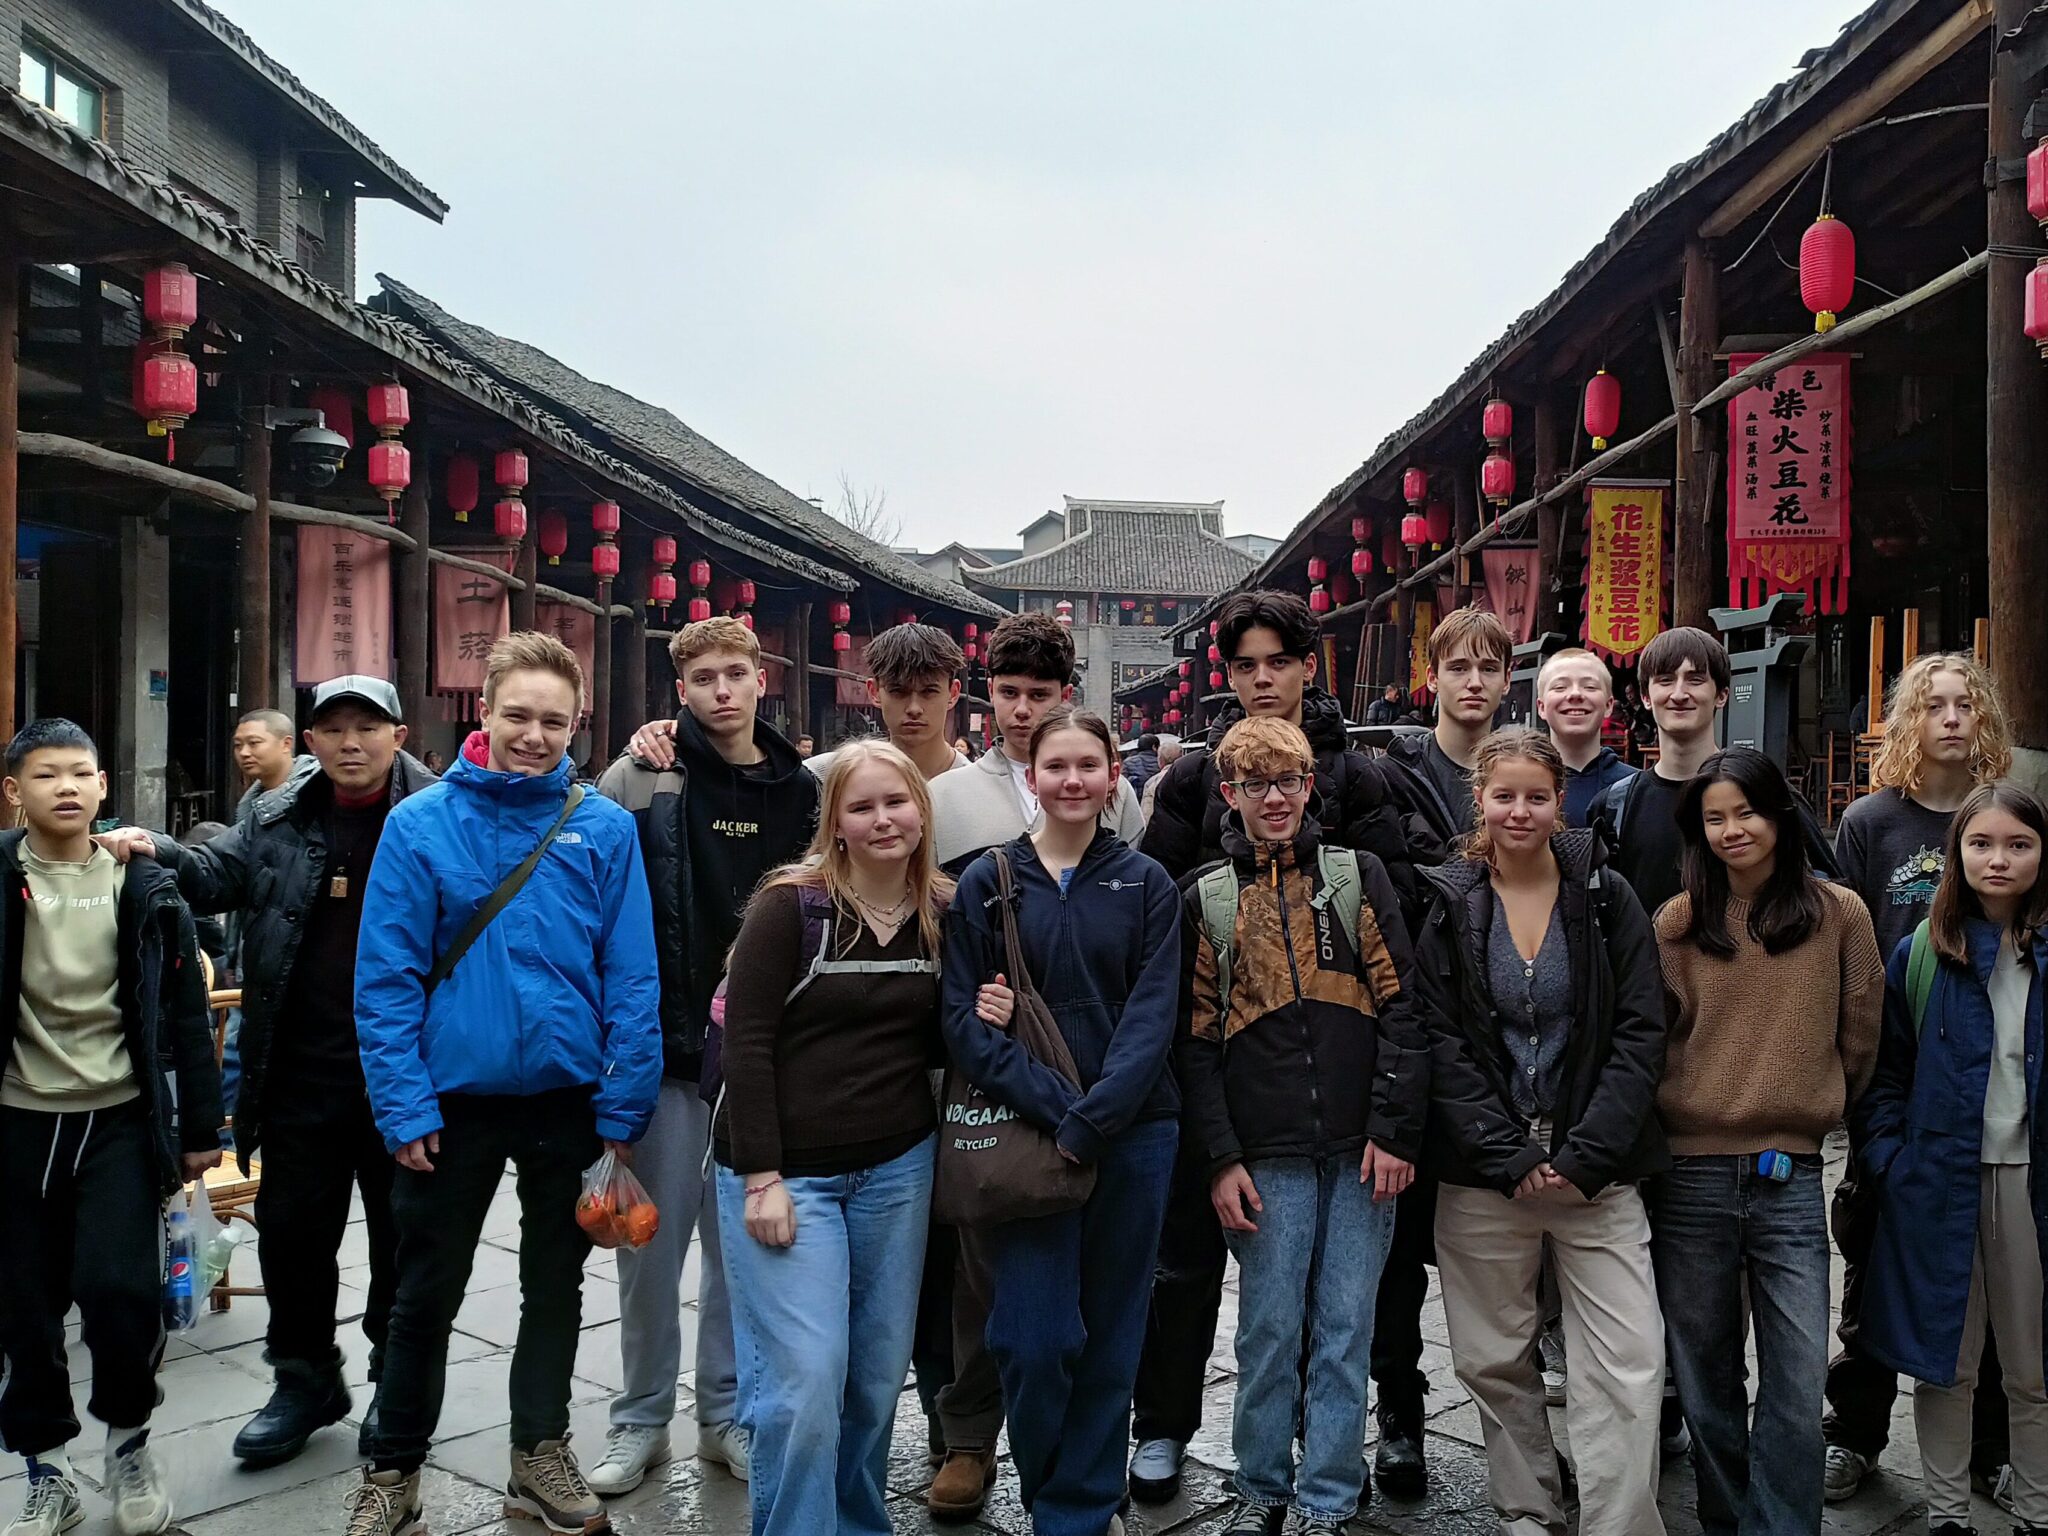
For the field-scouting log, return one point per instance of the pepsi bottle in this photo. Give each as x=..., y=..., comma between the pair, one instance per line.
x=181, y=1275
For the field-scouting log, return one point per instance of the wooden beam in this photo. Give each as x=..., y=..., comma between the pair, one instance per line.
x=2016, y=447
x=415, y=586
x=1692, y=532
x=10, y=472
x=632, y=691
x=258, y=685
x=800, y=668
x=1930, y=53
x=1669, y=348
x=526, y=565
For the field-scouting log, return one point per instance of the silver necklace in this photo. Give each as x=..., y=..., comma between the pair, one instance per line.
x=883, y=914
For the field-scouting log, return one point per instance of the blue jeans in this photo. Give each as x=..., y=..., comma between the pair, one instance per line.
x=230, y=1076
x=1716, y=1224
x=822, y=1331
x=1066, y=1329
x=1313, y=1266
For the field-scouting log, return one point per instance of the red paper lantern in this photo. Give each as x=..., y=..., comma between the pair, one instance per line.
x=700, y=609
x=604, y=518
x=389, y=408
x=1130, y=605
x=1185, y=669
x=1341, y=588
x=746, y=592
x=170, y=299
x=1438, y=514
x=700, y=573
x=1415, y=532
x=1319, y=600
x=1215, y=680
x=604, y=562
x=464, y=477
x=970, y=631
x=661, y=590
x=841, y=613
x=1361, y=529
x=1361, y=562
x=1214, y=625
x=2037, y=181
x=510, y=469
x=842, y=642
x=1497, y=479
x=1497, y=421
x=166, y=391
x=1827, y=269
x=1390, y=547
x=390, y=472
x=1414, y=486
x=970, y=650
x=1603, y=407
x=1318, y=568
x=2037, y=306
x=509, y=516
x=745, y=618
x=1215, y=653
x=554, y=535
x=336, y=409
x=664, y=549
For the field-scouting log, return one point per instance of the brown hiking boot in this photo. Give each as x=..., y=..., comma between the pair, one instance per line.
x=385, y=1504
x=962, y=1486
x=549, y=1487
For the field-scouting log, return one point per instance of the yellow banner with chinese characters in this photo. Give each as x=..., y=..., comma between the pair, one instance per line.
x=1624, y=565
x=1418, y=657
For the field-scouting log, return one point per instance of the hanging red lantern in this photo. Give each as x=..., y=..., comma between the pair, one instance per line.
x=1173, y=717
x=1361, y=528
x=970, y=631
x=661, y=590
x=745, y=594
x=1603, y=407
x=700, y=609
x=170, y=299
x=389, y=408
x=1341, y=588
x=2037, y=306
x=1438, y=515
x=336, y=409
x=1415, y=533
x=1215, y=680
x=1319, y=600
x=700, y=573
x=1414, y=486
x=1185, y=669
x=842, y=642
x=604, y=518
x=554, y=535
x=510, y=469
x=1497, y=479
x=1390, y=547
x=166, y=390
x=604, y=554
x=841, y=613
x=1318, y=568
x=2037, y=181
x=1361, y=562
x=1827, y=269
x=970, y=649
x=464, y=479
x=663, y=550
x=1497, y=422
x=604, y=562
x=390, y=472
x=1063, y=611
x=509, y=516
x=1215, y=653
x=1130, y=605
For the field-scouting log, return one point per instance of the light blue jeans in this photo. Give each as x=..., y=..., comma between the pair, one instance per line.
x=822, y=1331
x=1313, y=1267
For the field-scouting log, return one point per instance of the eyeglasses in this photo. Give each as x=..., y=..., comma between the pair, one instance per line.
x=1255, y=789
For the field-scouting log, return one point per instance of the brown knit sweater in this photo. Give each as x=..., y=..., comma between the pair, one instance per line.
x=1768, y=1051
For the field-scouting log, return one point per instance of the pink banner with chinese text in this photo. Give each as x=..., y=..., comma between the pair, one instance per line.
x=470, y=612
x=575, y=628
x=344, y=606
x=1788, y=482
x=1511, y=587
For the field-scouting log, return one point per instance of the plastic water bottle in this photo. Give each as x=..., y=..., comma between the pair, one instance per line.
x=181, y=1302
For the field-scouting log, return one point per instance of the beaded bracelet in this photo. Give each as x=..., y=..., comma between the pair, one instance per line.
x=762, y=1189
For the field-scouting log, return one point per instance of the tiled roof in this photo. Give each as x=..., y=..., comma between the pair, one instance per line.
x=42, y=134
x=1157, y=553
x=409, y=188
x=655, y=434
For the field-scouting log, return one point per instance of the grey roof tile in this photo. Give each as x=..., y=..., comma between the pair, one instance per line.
x=1165, y=553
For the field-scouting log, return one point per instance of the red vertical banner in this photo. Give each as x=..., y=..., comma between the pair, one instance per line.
x=574, y=627
x=344, y=606
x=470, y=613
x=852, y=692
x=1510, y=587
x=1788, y=483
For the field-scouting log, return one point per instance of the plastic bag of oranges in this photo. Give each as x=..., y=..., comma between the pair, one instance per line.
x=614, y=1208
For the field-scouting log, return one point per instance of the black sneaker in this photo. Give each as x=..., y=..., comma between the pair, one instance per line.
x=1397, y=1465
x=307, y=1398
x=1249, y=1519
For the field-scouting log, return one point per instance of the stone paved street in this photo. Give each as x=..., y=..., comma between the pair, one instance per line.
x=215, y=1377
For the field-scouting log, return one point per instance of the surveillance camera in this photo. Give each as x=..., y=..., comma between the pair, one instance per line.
x=317, y=454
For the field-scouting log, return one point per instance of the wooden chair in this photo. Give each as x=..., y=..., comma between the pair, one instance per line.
x=232, y=1195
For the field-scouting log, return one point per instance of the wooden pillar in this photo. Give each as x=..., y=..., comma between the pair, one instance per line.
x=1464, y=523
x=632, y=689
x=601, y=679
x=258, y=689
x=10, y=480
x=1692, y=527
x=2016, y=405
x=526, y=566
x=415, y=588
x=1549, y=517
x=800, y=671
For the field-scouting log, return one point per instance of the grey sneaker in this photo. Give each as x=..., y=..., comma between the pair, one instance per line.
x=1550, y=1346
x=629, y=1450
x=142, y=1506
x=1155, y=1470
x=549, y=1487
x=52, y=1506
x=1249, y=1519
x=1843, y=1473
x=384, y=1504
x=727, y=1443
x=1315, y=1525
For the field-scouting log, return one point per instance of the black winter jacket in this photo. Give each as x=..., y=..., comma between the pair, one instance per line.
x=1605, y=1128
x=1430, y=827
x=1323, y=1047
x=269, y=869
x=162, y=995
x=1186, y=829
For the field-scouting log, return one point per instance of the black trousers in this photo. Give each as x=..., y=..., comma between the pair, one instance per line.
x=1187, y=1291
x=318, y=1148
x=1404, y=1287
x=549, y=1138
x=84, y=1224
x=1860, y=1390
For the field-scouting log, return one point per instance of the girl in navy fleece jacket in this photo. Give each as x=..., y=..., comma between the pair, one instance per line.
x=1100, y=930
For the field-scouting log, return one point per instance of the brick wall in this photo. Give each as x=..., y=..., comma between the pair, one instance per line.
x=215, y=135
x=122, y=43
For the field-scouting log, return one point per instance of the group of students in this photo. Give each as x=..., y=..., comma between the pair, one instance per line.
x=1489, y=1001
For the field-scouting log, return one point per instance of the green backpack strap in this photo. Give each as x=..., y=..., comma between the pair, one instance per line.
x=1921, y=965
x=1343, y=887
x=1218, y=891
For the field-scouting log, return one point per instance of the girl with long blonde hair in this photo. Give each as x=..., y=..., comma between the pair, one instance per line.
x=825, y=1143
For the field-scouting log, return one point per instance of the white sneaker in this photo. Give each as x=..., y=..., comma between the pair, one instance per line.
x=142, y=1507
x=52, y=1506
x=1843, y=1473
x=629, y=1450
x=1155, y=1470
x=727, y=1443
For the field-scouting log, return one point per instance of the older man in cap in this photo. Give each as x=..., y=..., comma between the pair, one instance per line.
x=295, y=871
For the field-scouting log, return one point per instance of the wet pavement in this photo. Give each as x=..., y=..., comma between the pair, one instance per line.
x=214, y=1377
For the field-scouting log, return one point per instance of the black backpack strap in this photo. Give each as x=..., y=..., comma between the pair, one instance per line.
x=501, y=898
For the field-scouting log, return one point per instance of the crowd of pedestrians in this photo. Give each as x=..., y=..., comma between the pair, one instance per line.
x=1489, y=1001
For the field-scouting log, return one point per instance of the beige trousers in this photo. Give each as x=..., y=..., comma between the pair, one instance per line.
x=2005, y=1286
x=1489, y=1250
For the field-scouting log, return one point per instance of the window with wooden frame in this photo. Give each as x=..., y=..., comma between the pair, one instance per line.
x=62, y=89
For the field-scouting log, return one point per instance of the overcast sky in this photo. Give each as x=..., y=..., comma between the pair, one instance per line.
x=980, y=253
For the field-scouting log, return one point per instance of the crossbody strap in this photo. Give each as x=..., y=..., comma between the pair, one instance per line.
x=501, y=898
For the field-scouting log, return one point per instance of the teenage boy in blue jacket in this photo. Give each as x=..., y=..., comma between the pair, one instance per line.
x=541, y=1046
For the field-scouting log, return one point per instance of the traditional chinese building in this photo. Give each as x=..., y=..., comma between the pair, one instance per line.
x=1122, y=573
x=1805, y=361
x=222, y=480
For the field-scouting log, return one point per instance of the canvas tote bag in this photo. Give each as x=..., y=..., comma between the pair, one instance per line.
x=993, y=1164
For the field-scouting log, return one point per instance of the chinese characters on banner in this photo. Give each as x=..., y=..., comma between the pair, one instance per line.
x=470, y=613
x=1788, y=483
x=1510, y=587
x=344, y=606
x=1624, y=566
x=852, y=692
x=577, y=629
x=1418, y=659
